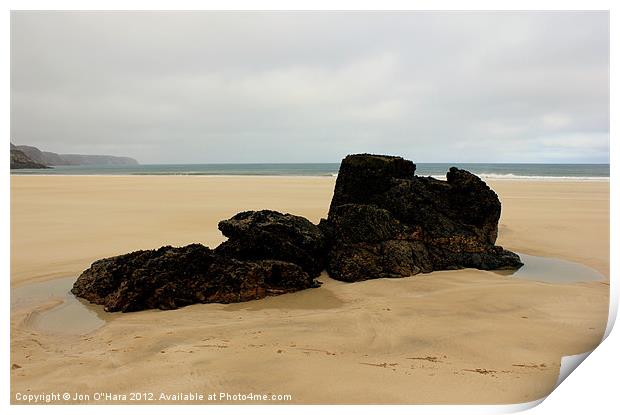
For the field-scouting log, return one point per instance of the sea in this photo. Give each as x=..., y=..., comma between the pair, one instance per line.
x=493, y=171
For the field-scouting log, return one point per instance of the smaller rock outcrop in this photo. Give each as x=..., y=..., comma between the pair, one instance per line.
x=169, y=278
x=268, y=234
x=268, y=253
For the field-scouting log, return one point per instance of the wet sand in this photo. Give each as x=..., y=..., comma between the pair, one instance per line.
x=463, y=336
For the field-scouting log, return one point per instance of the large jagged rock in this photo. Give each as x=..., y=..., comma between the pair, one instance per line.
x=267, y=234
x=386, y=222
x=268, y=253
x=169, y=278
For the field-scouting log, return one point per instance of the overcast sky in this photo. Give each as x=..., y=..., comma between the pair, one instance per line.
x=200, y=87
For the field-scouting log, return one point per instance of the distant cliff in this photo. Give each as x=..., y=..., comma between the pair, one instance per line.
x=53, y=159
x=21, y=161
x=81, y=159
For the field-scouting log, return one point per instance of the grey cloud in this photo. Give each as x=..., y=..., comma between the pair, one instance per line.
x=313, y=86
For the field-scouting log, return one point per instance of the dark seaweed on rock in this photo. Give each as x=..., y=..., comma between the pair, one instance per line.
x=383, y=221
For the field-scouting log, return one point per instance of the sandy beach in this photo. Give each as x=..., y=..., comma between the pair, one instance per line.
x=464, y=336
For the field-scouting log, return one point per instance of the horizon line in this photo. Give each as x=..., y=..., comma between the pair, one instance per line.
x=339, y=162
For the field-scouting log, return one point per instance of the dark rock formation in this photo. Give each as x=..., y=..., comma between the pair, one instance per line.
x=268, y=253
x=386, y=222
x=267, y=234
x=19, y=160
x=168, y=278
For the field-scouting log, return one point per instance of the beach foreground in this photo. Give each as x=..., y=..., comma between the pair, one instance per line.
x=462, y=336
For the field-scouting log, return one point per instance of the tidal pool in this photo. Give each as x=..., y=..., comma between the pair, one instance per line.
x=72, y=316
x=544, y=269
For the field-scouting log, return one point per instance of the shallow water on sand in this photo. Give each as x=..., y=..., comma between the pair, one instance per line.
x=553, y=270
x=76, y=316
x=72, y=316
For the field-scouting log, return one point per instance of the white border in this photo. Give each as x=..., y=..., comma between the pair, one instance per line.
x=589, y=389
